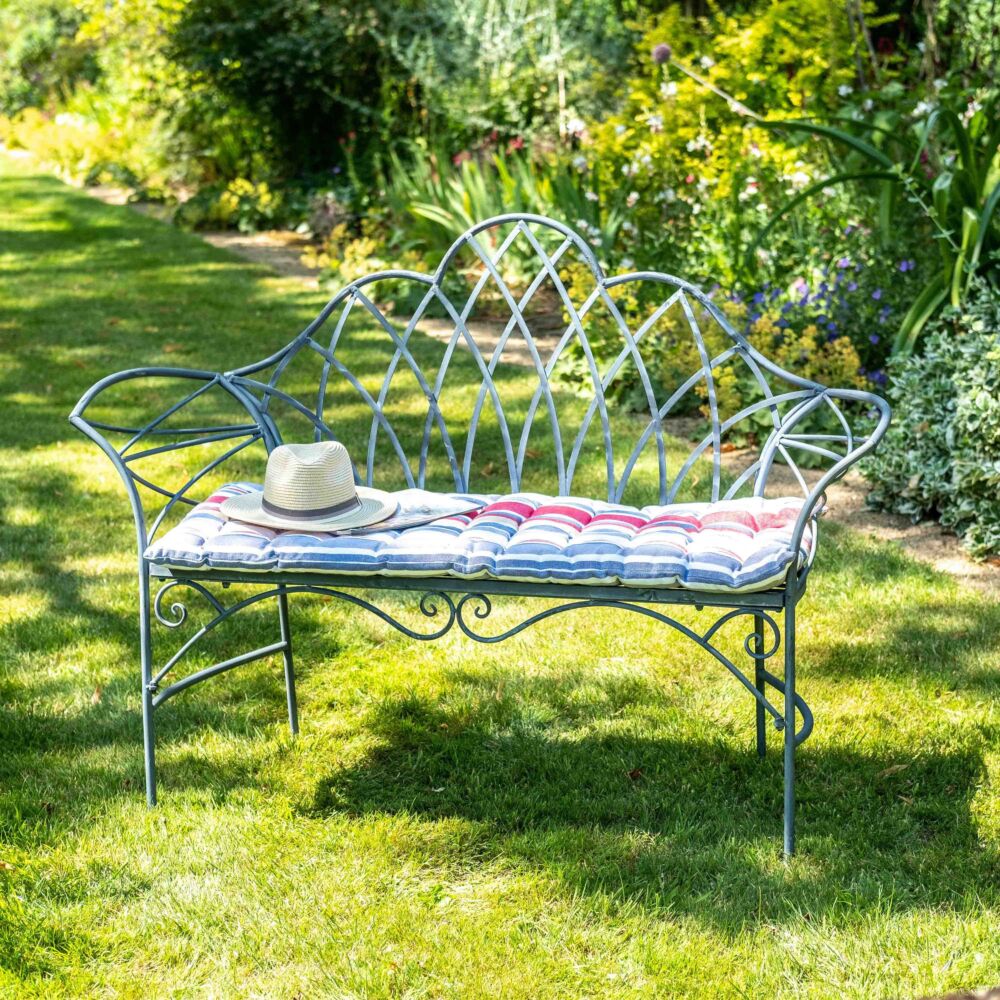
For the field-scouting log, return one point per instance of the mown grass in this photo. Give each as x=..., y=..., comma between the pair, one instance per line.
x=577, y=812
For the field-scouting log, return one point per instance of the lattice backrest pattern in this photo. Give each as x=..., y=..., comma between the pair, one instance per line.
x=445, y=412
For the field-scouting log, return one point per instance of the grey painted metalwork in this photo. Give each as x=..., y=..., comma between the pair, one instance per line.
x=258, y=393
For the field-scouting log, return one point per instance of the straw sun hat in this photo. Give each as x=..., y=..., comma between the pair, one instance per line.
x=310, y=487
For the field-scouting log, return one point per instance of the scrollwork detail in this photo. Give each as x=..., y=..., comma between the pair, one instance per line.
x=178, y=609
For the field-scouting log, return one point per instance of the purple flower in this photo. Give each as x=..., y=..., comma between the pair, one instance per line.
x=848, y=230
x=662, y=53
x=831, y=326
x=877, y=294
x=907, y=265
x=883, y=313
x=879, y=377
x=843, y=262
x=852, y=286
x=758, y=298
x=874, y=338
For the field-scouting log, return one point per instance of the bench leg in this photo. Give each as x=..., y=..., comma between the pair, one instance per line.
x=146, y=660
x=286, y=638
x=789, y=730
x=758, y=680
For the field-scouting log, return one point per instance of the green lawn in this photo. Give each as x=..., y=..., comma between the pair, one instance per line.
x=454, y=820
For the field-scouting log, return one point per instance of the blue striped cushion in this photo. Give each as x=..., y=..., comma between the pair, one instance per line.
x=732, y=545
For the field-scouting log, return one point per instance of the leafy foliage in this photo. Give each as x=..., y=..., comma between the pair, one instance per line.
x=941, y=456
x=947, y=162
x=40, y=59
x=518, y=66
x=305, y=71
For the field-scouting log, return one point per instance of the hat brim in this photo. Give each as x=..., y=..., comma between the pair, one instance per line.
x=376, y=505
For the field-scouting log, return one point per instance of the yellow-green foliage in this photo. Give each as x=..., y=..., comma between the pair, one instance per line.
x=696, y=170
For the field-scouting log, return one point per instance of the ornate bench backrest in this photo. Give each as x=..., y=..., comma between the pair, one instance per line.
x=517, y=266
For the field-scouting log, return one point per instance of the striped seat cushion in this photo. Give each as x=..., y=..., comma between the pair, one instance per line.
x=732, y=545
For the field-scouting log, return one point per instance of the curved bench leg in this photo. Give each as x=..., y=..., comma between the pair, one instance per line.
x=758, y=680
x=146, y=660
x=286, y=638
x=789, y=730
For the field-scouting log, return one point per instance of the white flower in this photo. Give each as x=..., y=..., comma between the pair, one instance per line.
x=580, y=162
x=699, y=142
x=845, y=90
x=655, y=123
x=921, y=47
x=596, y=240
x=922, y=109
x=576, y=126
x=590, y=195
x=628, y=227
x=967, y=114
x=707, y=62
x=867, y=104
x=630, y=169
x=799, y=179
x=668, y=89
x=669, y=195
x=627, y=263
x=940, y=83
x=619, y=130
x=633, y=197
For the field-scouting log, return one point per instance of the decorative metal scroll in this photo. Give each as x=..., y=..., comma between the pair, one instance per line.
x=465, y=612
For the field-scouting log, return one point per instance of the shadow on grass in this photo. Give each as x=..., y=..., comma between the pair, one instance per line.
x=692, y=825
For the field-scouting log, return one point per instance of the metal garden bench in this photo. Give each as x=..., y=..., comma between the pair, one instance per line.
x=418, y=429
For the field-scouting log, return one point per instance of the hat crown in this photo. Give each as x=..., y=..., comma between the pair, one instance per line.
x=310, y=477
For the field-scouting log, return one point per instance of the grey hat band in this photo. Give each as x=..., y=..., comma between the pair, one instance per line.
x=351, y=503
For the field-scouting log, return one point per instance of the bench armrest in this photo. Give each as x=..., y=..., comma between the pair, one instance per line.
x=127, y=443
x=857, y=447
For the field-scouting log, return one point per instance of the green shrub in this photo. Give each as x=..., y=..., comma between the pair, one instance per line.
x=433, y=198
x=941, y=456
x=241, y=204
x=40, y=57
